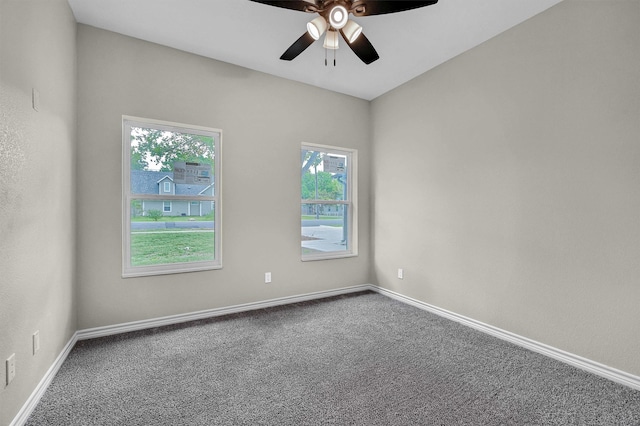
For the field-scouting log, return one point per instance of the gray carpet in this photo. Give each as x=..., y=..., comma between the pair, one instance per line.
x=360, y=359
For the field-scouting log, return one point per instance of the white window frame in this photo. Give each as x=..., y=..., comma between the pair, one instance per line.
x=164, y=207
x=351, y=202
x=166, y=186
x=135, y=271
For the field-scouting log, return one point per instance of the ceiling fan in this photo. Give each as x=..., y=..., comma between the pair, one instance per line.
x=334, y=18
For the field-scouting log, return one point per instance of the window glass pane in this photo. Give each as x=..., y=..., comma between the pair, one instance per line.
x=324, y=228
x=326, y=191
x=159, y=238
x=166, y=157
x=171, y=176
x=324, y=176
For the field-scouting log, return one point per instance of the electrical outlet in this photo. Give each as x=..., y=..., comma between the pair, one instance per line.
x=35, y=99
x=401, y=273
x=267, y=277
x=36, y=342
x=11, y=368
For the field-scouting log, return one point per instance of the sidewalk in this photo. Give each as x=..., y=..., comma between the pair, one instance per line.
x=329, y=238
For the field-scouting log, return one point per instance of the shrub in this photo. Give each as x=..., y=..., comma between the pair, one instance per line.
x=154, y=214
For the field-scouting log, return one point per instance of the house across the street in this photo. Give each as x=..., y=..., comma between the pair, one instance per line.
x=163, y=183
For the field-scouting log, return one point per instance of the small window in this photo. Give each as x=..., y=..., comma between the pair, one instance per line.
x=171, y=197
x=328, y=202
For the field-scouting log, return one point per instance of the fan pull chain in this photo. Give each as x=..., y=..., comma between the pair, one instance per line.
x=334, y=57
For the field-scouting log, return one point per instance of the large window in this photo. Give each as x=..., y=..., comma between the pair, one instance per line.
x=171, y=197
x=328, y=202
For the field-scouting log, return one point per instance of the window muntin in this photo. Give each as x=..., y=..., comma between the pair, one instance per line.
x=177, y=230
x=328, y=202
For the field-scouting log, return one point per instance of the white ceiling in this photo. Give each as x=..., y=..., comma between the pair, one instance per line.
x=254, y=36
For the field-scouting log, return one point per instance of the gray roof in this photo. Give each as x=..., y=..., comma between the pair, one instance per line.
x=147, y=181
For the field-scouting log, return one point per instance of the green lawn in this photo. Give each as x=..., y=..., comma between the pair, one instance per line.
x=154, y=248
x=173, y=219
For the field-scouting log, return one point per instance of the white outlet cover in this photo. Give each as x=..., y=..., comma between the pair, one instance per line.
x=35, y=99
x=36, y=342
x=11, y=368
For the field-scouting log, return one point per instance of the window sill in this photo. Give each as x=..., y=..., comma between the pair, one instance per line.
x=151, y=271
x=312, y=258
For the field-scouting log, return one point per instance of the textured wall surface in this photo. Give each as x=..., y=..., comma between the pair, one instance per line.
x=505, y=182
x=37, y=190
x=511, y=185
x=264, y=119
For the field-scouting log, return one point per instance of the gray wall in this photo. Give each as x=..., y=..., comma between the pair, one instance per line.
x=507, y=182
x=37, y=150
x=264, y=119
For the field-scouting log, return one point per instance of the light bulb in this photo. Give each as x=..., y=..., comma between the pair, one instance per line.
x=338, y=17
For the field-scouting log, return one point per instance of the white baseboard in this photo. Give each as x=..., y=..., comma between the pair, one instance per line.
x=588, y=365
x=91, y=333
x=37, y=393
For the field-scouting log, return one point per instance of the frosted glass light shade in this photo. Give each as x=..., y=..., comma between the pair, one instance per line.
x=351, y=31
x=338, y=17
x=331, y=40
x=317, y=27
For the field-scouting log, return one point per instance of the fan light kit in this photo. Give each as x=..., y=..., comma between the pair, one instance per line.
x=333, y=18
x=317, y=27
x=331, y=40
x=351, y=31
x=338, y=17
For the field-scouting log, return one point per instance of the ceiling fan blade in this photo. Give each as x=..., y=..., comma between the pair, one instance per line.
x=380, y=7
x=297, y=47
x=301, y=5
x=363, y=48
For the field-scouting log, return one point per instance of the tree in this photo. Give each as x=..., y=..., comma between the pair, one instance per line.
x=159, y=149
x=328, y=187
x=309, y=159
